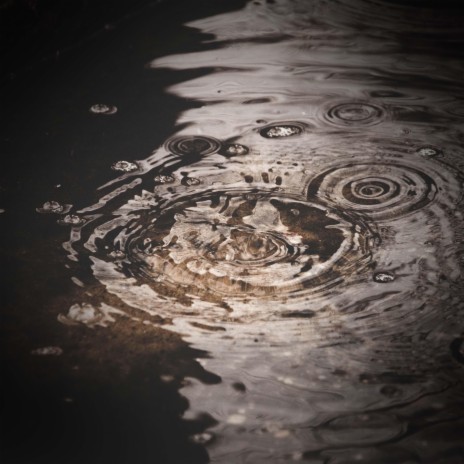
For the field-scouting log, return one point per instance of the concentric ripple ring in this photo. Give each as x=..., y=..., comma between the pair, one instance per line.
x=240, y=244
x=379, y=191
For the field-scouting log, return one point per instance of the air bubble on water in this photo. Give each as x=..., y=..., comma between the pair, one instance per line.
x=47, y=351
x=202, y=438
x=236, y=149
x=53, y=207
x=117, y=254
x=279, y=131
x=429, y=152
x=101, y=108
x=71, y=219
x=384, y=277
x=124, y=166
x=164, y=179
x=190, y=181
x=89, y=315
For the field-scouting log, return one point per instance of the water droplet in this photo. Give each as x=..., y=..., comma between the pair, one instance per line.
x=202, y=438
x=48, y=351
x=281, y=130
x=71, y=219
x=429, y=151
x=236, y=149
x=124, y=166
x=190, y=181
x=101, y=108
x=53, y=207
x=117, y=254
x=164, y=179
x=384, y=277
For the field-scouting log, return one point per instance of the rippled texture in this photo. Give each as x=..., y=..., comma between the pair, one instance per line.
x=304, y=227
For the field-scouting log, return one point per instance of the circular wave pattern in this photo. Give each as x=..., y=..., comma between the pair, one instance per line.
x=379, y=191
x=242, y=245
x=355, y=114
x=193, y=145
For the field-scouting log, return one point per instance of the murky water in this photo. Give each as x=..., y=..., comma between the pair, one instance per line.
x=303, y=227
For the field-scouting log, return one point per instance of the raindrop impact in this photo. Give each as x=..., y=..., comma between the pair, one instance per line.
x=355, y=114
x=379, y=190
x=193, y=145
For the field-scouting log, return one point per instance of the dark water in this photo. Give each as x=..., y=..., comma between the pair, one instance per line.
x=260, y=261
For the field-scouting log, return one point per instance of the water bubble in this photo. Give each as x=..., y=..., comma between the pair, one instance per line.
x=236, y=149
x=101, y=108
x=282, y=130
x=193, y=145
x=355, y=114
x=71, y=219
x=164, y=179
x=384, y=277
x=53, y=207
x=124, y=166
x=190, y=181
x=48, y=351
x=117, y=254
x=202, y=438
x=428, y=151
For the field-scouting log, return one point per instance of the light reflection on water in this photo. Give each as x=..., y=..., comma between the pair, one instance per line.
x=304, y=229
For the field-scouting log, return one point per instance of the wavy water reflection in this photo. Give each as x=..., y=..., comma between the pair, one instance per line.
x=304, y=228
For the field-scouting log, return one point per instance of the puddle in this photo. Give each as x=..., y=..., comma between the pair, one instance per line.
x=300, y=227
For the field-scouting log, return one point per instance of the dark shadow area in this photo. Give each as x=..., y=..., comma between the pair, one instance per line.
x=112, y=396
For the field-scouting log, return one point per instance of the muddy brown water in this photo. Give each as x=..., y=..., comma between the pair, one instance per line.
x=237, y=238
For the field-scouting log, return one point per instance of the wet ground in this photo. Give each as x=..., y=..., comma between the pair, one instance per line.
x=233, y=234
